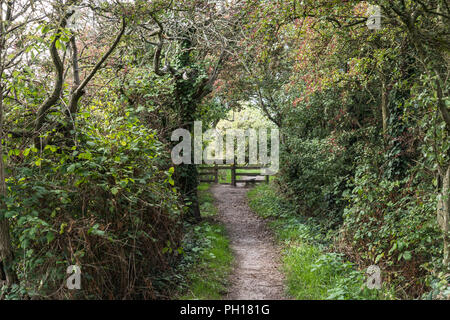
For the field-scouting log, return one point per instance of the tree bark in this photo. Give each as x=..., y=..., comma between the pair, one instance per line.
x=384, y=105
x=443, y=216
x=59, y=81
x=6, y=250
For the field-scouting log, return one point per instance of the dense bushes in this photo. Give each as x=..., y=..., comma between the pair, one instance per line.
x=106, y=204
x=392, y=223
x=311, y=175
x=373, y=190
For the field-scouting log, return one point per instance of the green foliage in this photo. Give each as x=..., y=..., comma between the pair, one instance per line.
x=368, y=173
x=392, y=224
x=311, y=175
x=363, y=116
x=315, y=275
x=311, y=271
x=98, y=204
x=207, y=278
x=374, y=192
x=207, y=262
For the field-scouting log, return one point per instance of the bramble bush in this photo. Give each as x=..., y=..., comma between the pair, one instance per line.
x=106, y=204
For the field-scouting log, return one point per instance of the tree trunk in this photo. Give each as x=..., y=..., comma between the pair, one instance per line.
x=384, y=105
x=187, y=181
x=6, y=252
x=6, y=256
x=443, y=216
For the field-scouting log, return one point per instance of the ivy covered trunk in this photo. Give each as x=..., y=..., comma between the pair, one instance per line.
x=187, y=181
x=186, y=175
x=189, y=88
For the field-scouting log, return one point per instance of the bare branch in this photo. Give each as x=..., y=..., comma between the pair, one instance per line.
x=79, y=91
x=59, y=78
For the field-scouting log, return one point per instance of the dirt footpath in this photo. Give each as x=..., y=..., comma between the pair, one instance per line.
x=256, y=274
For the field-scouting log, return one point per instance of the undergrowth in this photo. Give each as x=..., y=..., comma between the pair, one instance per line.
x=207, y=260
x=312, y=270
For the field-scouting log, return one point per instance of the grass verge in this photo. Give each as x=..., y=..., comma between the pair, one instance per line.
x=312, y=271
x=208, y=258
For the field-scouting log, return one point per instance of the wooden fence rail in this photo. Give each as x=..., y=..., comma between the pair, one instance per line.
x=214, y=172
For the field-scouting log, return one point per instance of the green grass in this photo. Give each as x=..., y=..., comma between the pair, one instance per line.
x=208, y=246
x=312, y=272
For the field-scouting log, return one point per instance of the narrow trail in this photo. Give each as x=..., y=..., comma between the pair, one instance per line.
x=256, y=274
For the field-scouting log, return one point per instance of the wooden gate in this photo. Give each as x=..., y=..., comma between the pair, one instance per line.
x=210, y=174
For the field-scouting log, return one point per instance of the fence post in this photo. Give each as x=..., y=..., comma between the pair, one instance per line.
x=267, y=179
x=216, y=174
x=233, y=175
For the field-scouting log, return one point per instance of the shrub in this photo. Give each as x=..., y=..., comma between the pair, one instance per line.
x=106, y=204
